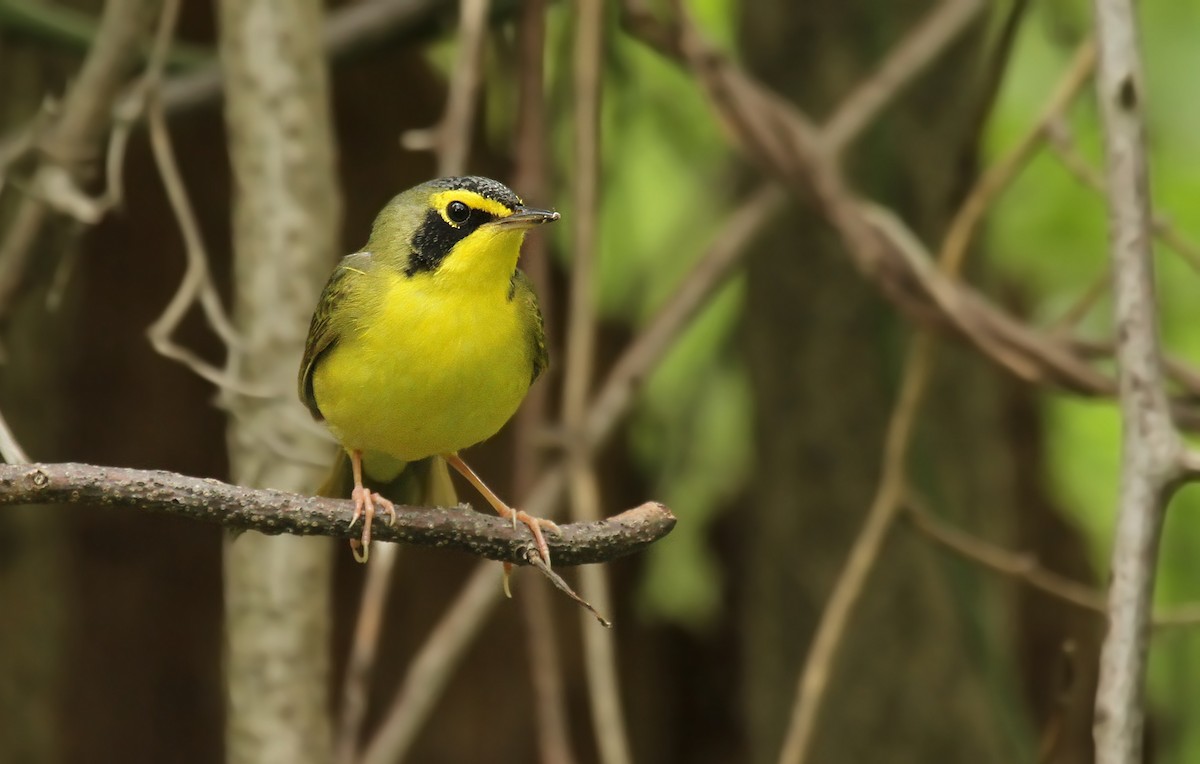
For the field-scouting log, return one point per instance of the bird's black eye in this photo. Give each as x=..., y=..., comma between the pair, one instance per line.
x=458, y=212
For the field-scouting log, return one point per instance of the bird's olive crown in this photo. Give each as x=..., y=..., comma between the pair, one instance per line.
x=421, y=225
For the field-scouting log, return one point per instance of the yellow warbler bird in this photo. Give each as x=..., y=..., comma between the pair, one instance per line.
x=425, y=343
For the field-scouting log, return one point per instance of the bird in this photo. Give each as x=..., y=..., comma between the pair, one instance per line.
x=424, y=343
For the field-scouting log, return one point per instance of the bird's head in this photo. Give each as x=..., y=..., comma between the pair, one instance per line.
x=462, y=231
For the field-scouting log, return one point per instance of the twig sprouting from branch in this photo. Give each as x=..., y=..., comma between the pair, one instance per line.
x=1151, y=449
x=275, y=512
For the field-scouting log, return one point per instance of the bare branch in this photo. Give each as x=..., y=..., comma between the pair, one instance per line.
x=276, y=512
x=599, y=648
x=356, y=684
x=1151, y=449
x=1027, y=569
x=72, y=142
x=530, y=177
x=1001, y=174
x=786, y=145
x=429, y=670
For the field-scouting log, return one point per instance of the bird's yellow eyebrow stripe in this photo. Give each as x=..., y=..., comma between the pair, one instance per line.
x=473, y=200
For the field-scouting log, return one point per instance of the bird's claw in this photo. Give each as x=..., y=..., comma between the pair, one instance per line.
x=364, y=507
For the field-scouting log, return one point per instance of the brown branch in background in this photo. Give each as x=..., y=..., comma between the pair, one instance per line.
x=985, y=94
x=197, y=283
x=443, y=649
x=820, y=662
x=783, y=142
x=276, y=512
x=367, y=628
x=599, y=648
x=429, y=670
x=451, y=137
x=1001, y=174
x=1026, y=568
x=1151, y=449
x=906, y=59
x=529, y=177
x=71, y=144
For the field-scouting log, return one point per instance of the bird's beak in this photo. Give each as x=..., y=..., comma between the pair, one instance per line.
x=527, y=217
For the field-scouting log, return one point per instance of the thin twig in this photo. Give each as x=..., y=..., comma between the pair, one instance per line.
x=10, y=448
x=71, y=144
x=1000, y=175
x=367, y=628
x=1079, y=309
x=276, y=512
x=451, y=137
x=197, y=284
x=1151, y=448
x=1026, y=568
x=599, y=647
x=920, y=47
x=529, y=176
x=430, y=669
x=783, y=142
x=822, y=654
x=1073, y=160
x=348, y=28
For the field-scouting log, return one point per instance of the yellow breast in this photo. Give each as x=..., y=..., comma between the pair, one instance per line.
x=424, y=370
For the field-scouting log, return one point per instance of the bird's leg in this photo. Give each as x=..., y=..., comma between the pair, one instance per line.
x=364, y=507
x=536, y=524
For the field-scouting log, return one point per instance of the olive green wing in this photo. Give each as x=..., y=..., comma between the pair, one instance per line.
x=324, y=331
x=521, y=290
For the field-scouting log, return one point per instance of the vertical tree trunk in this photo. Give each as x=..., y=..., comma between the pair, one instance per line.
x=917, y=678
x=286, y=217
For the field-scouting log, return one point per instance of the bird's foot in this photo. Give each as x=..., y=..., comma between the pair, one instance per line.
x=365, y=502
x=536, y=525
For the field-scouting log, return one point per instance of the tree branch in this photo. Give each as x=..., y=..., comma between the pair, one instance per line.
x=1151, y=449
x=275, y=512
